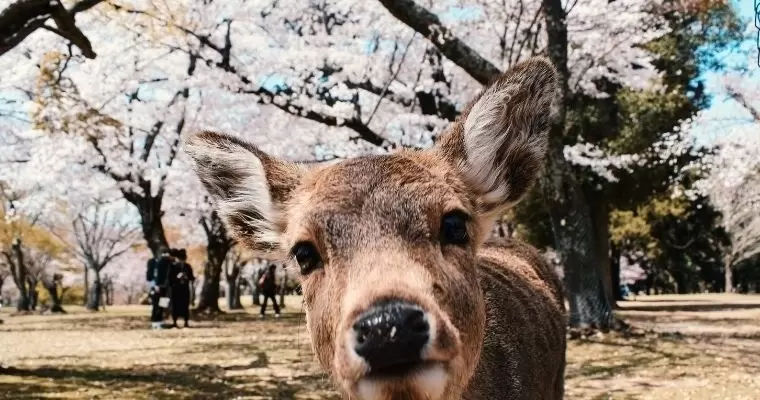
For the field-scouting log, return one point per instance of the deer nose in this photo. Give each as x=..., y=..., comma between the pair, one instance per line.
x=391, y=334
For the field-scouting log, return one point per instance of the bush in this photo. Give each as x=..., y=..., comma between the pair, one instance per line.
x=73, y=295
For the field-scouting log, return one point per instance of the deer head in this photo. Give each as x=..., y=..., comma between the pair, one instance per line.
x=386, y=245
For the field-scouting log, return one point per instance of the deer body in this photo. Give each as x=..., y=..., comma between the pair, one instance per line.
x=404, y=297
x=520, y=290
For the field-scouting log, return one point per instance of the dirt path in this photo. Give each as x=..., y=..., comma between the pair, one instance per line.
x=698, y=347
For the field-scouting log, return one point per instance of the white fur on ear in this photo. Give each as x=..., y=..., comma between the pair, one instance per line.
x=505, y=132
x=235, y=173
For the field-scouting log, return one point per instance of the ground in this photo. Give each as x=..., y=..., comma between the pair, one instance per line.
x=685, y=347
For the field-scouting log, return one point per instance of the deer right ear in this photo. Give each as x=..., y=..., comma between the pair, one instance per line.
x=499, y=141
x=251, y=187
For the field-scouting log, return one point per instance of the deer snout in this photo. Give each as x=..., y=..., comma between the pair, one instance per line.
x=391, y=336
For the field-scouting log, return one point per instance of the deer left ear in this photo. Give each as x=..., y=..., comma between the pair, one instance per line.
x=498, y=143
x=250, y=186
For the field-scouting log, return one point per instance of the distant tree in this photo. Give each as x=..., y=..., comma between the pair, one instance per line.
x=218, y=245
x=631, y=151
x=28, y=250
x=99, y=237
x=676, y=241
x=733, y=187
x=5, y=272
x=233, y=266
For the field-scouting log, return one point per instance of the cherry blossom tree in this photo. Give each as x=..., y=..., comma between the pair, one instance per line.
x=733, y=187
x=316, y=80
x=745, y=90
x=121, y=116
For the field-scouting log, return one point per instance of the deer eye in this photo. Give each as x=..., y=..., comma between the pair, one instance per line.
x=454, y=228
x=307, y=257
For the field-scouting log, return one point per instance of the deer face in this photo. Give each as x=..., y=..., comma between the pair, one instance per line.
x=387, y=245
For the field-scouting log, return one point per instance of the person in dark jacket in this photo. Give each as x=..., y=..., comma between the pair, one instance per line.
x=157, y=276
x=180, y=276
x=269, y=289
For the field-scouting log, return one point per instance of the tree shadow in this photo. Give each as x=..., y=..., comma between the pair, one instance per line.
x=688, y=307
x=83, y=321
x=192, y=381
x=647, y=301
x=644, y=356
x=199, y=380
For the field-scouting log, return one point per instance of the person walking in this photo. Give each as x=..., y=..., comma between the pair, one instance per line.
x=180, y=276
x=157, y=276
x=269, y=290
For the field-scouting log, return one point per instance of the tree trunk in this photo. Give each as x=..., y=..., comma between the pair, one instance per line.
x=599, y=209
x=192, y=293
x=93, y=298
x=571, y=220
x=149, y=208
x=217, y=246
x=233, y=291
x=209, y=298
x=86, y=286
x=19, y=273
x=615, y=271
x=55, y=300
x=33, y=295
x=256, y=291
x=283, y=288
x=728, y=274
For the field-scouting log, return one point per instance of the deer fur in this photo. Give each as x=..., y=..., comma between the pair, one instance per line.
x=495, y=308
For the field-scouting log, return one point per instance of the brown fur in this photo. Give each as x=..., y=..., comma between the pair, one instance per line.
x=496, y=309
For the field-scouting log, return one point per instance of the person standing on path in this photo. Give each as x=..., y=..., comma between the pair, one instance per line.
x=180, y=276
x=269, y=289
x=157, y=276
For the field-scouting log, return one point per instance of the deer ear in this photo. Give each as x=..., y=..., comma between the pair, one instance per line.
x=498, y=143
x=251, y=187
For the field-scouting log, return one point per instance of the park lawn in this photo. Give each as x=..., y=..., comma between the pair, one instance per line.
x=683, y=347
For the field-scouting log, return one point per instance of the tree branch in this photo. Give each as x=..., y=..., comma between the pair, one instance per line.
x=741, y=99
x=364, y=131
x=22, y=18
x=428, y=24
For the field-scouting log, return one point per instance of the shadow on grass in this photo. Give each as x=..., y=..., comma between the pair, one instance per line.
x=645, y=355
x=193, y=381
x=655, y=301
x=692, y=319
x=199, y=380
x=242, y=316
x=688, y=307
x=81, y=321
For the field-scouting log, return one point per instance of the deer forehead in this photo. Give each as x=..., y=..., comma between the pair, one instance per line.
x=389, y=195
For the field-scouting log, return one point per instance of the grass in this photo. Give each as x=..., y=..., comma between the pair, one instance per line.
x=688, y=347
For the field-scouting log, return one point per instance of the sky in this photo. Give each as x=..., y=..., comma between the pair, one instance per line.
x=725, y=113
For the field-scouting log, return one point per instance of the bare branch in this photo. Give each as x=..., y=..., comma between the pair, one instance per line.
x=428, y=24
x=741, y=99
x=22, y=18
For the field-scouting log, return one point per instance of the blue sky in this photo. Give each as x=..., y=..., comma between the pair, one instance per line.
x=724, y=112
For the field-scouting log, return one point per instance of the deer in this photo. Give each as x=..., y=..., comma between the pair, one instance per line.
x=404, y=293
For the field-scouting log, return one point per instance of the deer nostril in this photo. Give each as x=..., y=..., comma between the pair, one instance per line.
x=362, y=332
x=420, y=326
x=416, y=322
